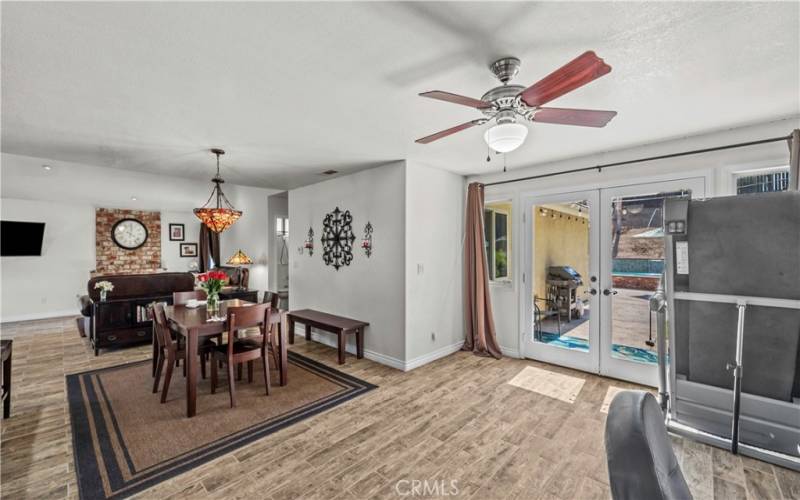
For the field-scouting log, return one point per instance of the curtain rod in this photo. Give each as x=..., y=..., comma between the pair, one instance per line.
x=600, y=168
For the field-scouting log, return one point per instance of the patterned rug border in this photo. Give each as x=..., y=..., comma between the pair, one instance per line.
x=87, y=472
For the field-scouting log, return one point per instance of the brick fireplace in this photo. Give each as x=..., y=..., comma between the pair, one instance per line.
x=111, y=259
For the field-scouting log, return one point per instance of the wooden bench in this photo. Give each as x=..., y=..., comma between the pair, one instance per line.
x=339, y=325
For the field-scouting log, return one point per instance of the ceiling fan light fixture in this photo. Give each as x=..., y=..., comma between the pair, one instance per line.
x=505, y=137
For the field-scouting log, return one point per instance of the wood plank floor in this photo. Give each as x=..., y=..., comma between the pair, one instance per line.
x=456, y=419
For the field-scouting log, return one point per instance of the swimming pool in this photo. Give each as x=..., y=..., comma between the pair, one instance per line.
x=619, y=351
x=633, y=274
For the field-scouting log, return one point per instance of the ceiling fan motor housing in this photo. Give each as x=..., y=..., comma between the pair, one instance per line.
x=505, y=68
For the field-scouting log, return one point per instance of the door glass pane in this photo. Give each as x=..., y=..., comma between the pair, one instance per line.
x=500, y=245
x=488, y=240
x=637, y=252
x=561, y=271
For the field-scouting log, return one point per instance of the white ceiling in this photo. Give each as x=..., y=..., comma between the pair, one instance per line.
x=291, y=90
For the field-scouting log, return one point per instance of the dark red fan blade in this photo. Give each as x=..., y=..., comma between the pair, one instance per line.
x=456, y=99
x=576, y=73
x=582, y=117
x=449, y=131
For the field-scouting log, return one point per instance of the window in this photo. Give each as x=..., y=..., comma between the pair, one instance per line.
x=764, y=181
x=282, y=226
x=497, y=240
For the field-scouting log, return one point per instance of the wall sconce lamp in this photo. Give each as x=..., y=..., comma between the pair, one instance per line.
x=308, y=244
x=366, y=243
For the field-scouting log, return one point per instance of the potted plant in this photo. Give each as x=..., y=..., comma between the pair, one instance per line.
x=105, y=287
x=212, y=283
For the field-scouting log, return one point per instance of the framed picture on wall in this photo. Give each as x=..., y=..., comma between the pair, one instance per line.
x=188, y=249
x=176, y=232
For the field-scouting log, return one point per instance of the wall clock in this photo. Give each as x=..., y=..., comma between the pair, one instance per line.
x=129, y=234
x=337, y=238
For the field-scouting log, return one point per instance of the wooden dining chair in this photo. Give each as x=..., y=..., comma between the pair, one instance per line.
x=182, y=298
x=169, y=352
x=237, y=351
x=272, y=331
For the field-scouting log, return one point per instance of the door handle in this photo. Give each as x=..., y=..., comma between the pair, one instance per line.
x=593, y=291
x=608, y=292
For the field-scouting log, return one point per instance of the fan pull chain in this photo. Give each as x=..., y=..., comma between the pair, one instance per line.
x=504, y=162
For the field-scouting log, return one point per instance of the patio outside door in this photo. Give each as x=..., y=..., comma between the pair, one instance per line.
x=612, y=238
x=561, y=312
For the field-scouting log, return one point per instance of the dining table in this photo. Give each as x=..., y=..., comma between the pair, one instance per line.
x=195, y=322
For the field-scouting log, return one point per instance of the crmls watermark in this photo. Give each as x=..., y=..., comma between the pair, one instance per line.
x=426, y=488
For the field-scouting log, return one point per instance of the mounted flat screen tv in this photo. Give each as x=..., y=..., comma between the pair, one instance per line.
x=21, y=239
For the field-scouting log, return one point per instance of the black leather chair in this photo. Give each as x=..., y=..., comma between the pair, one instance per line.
x=641, y=463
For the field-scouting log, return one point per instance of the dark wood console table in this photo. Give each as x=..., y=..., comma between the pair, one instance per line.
x=244, y=294
x=122, y=322
x=339, y=325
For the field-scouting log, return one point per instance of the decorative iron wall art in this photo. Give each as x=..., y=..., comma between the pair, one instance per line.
x=337, y=238
x=366, y=243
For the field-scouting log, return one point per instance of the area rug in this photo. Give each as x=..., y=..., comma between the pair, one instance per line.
x=125, y=440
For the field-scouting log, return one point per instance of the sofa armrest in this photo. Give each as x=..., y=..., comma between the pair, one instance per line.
x=85, y=303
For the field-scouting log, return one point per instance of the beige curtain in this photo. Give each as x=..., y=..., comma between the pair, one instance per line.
x=794, y=161
x=481, y=338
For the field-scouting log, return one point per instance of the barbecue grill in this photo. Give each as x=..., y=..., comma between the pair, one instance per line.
x=562, y=288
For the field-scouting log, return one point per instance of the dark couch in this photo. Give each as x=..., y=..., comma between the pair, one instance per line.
x=129, y=286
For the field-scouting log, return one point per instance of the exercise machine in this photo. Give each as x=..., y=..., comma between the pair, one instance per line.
x=728, y=314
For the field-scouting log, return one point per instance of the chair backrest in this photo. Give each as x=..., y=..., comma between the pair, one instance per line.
x=161, y=327
x=641, y=463
x=272, y=298
x=242, y=317
x=181, y=298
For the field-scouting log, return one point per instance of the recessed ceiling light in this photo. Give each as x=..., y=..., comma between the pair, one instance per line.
x=133, y=198
x=47, y=167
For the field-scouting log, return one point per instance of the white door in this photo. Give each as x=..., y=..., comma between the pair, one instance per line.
x=631, y=262
x=599, y=320
x=561, y=317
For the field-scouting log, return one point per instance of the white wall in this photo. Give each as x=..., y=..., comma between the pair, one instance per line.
x=66, y=197
x=171, y=259
x=47, y=286
x=434, y=263
x=370, y=289
x=717, y=169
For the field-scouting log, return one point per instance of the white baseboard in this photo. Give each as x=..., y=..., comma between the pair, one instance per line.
x=35, y=316
x=433, y=356
x=511, y=353
x=329, y=339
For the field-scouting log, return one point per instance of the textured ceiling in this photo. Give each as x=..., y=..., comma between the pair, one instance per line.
x=291, y=90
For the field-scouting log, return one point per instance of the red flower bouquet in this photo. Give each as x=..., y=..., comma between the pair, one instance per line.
x=212, y=283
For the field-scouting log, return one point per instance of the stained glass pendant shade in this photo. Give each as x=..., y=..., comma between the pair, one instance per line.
x=224, y=215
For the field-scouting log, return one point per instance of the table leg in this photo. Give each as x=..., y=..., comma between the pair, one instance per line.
x=360, y=343
x=191, y=374
x=290, y=327
x=308, y=332
x=155, y=349
x=283, y=352
x=342, y=334
x=7, y=383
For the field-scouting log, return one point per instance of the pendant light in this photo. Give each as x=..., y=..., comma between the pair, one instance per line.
x=223, y=216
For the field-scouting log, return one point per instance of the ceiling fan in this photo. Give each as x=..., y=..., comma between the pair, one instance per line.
x=506, y=103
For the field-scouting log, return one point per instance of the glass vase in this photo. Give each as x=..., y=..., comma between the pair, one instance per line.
x=103, y=295
x=212, y=303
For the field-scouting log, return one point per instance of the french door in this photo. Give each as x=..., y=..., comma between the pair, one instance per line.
x=593, y=258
